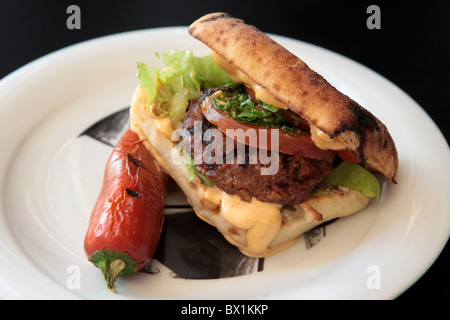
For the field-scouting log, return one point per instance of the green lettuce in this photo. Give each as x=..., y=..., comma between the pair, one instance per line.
x=193, y=171
x=354, y=176
x=183, y=79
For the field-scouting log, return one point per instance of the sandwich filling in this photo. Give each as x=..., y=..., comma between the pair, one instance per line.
x=291, y=184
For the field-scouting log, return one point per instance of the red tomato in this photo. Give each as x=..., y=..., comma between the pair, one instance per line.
x=348, y=156
x=289, y=143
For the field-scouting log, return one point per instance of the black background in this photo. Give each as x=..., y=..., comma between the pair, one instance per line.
x=411, y=49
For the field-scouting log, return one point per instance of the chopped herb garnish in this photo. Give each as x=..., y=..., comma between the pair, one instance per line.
x=242, y=108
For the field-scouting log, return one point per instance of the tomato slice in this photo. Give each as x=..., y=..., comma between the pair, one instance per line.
x=348, y=156
x=295, y=120
x=289, y=143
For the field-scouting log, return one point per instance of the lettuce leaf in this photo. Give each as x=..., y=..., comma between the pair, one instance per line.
x=354, y=176
x=192, y=170
x=183, y=79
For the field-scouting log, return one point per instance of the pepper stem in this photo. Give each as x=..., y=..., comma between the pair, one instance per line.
x=113, y=264
x=112, y=273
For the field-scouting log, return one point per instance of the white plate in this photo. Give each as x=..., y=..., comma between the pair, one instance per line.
x=50, y=177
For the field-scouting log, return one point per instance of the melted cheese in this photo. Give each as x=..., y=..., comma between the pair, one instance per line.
x=343, y=141
x=162, y=122
x=164, y=126
x=261, y=220
x=214, y=195
x=240, y=77
x=323, y=141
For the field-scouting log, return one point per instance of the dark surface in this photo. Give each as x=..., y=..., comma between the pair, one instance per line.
x=411, y=49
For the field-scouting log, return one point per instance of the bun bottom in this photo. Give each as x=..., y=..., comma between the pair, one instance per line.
x=208, y=202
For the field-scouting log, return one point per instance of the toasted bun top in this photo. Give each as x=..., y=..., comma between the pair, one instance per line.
x=336, y=121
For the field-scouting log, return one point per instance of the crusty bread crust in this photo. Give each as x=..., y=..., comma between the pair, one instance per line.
x=306, y=216
x=288, y=79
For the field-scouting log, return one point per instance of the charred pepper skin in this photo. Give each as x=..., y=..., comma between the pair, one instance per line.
x=127, y=218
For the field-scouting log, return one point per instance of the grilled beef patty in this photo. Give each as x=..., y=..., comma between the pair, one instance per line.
x=292, y=184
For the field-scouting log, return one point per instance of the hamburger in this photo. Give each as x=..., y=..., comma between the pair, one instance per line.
x=263, y=147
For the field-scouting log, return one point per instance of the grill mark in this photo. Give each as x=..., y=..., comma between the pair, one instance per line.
x=135, y=161
x=133, y=193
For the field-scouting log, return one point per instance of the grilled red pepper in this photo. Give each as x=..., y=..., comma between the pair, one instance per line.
x=126, y=221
